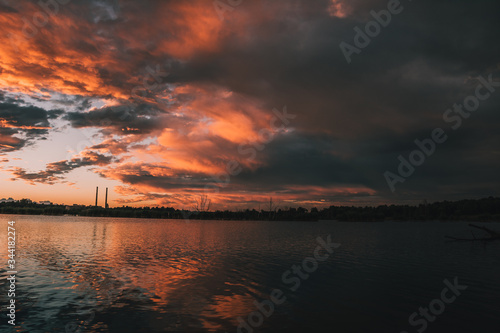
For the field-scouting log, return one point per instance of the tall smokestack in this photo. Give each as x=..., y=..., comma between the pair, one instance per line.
x=106, y=204
x=96, y=195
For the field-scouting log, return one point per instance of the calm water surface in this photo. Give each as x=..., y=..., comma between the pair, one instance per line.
x=133, y=275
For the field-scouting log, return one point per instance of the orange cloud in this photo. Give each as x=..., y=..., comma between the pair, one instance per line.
x=7, y=124
x=190, y=131
x=338, y=8
x=73, y=55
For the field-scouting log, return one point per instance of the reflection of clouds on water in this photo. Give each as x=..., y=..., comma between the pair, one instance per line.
x=86, y=273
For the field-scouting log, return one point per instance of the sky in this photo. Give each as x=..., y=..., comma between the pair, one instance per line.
x=166, y=101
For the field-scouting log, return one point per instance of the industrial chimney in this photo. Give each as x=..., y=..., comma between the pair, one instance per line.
x=106, y=203
x=96, y=195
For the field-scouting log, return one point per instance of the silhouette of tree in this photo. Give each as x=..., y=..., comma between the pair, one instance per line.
x=202, y=204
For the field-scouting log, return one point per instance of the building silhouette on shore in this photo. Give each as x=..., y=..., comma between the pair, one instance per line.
x=97, y=198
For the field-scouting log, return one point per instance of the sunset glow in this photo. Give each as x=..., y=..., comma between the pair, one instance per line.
x=159, y=100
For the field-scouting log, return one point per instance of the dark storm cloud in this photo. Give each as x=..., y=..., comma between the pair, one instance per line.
x=464, y=166
x=77, y=102
x=7, y=9
x=123, y=119
x=21, y=125
x=398, y=81
x=394, y=92
x=54, y=171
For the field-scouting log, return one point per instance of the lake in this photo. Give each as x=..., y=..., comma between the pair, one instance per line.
x=82, y=274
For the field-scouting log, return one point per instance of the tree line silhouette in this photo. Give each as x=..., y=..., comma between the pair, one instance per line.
x=486, y=209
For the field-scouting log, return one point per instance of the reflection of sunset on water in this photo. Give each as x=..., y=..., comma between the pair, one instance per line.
x=171, y=267
x=228, y=308
x=104, y=275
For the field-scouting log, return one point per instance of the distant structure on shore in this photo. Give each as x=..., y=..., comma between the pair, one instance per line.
x=97, y=197
x=106, y=201
x=28, y=201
